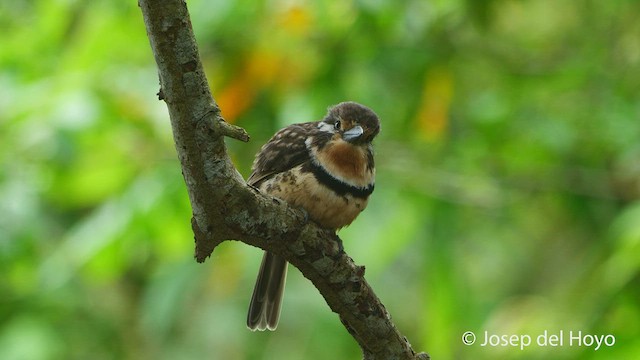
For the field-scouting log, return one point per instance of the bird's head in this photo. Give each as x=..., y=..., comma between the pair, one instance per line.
x=355, y=123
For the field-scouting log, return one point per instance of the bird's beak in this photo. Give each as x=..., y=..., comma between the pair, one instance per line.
x=353, y=133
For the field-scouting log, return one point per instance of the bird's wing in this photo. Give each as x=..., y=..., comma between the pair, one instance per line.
x=284, y=151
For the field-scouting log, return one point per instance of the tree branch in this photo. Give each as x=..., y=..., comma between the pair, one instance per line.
x=225, y=207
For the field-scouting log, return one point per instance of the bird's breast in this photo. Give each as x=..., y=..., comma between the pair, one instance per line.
x=301, y=188
x=346, y=162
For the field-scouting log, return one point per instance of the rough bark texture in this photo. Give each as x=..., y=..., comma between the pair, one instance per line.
x=225, y=207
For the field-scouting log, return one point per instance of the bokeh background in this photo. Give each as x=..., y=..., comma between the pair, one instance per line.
x=508, y=183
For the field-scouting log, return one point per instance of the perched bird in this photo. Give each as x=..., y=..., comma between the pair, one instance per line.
x=324, y=167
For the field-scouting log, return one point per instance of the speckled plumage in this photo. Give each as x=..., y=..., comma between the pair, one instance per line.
x=324, y=167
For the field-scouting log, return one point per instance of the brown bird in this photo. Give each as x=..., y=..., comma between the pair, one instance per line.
x=324, y=167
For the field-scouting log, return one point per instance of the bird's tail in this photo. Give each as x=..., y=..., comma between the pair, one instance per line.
x=264, y=309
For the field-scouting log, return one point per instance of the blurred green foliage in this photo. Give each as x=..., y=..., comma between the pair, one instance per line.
x=506, y=200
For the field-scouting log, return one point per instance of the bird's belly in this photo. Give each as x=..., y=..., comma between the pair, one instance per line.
x=324, y=206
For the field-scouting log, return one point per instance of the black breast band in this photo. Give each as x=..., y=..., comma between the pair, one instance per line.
x=339, y=187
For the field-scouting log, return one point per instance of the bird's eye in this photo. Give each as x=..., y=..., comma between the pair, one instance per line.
x=337, y=124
